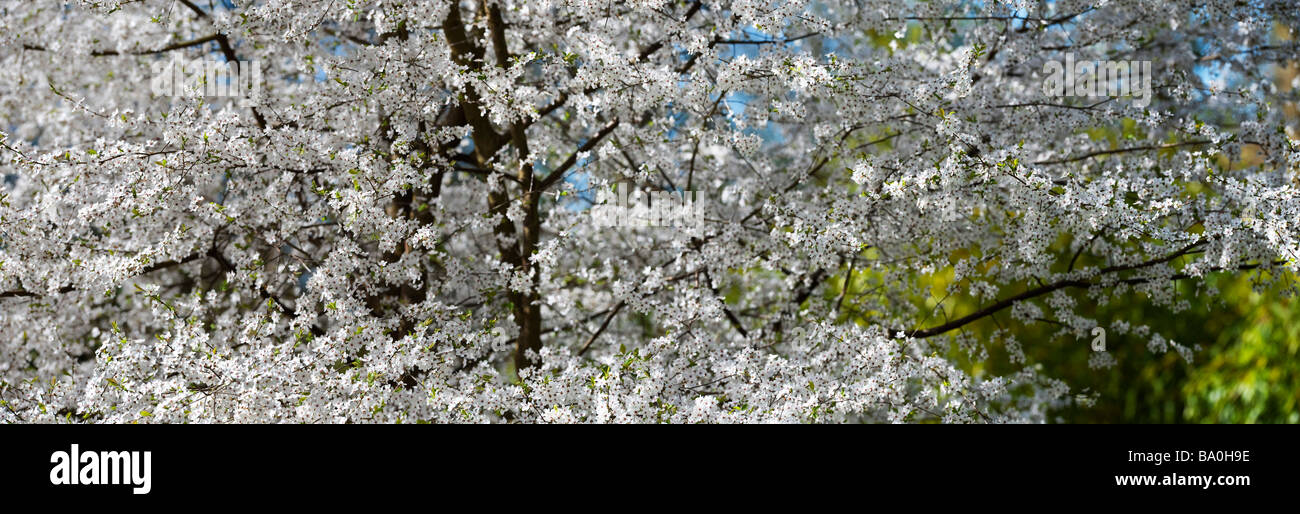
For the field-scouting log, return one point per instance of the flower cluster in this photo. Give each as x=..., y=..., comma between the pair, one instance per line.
x=398, y=230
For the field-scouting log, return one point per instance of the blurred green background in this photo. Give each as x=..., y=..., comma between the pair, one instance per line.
x=1247, y=369
x=1245, y=358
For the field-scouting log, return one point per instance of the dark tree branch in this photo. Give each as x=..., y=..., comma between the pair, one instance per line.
x=559, y=172
x=601, y=330
x=1062, y=284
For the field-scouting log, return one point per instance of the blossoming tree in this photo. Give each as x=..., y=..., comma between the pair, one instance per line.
x=392, y=223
